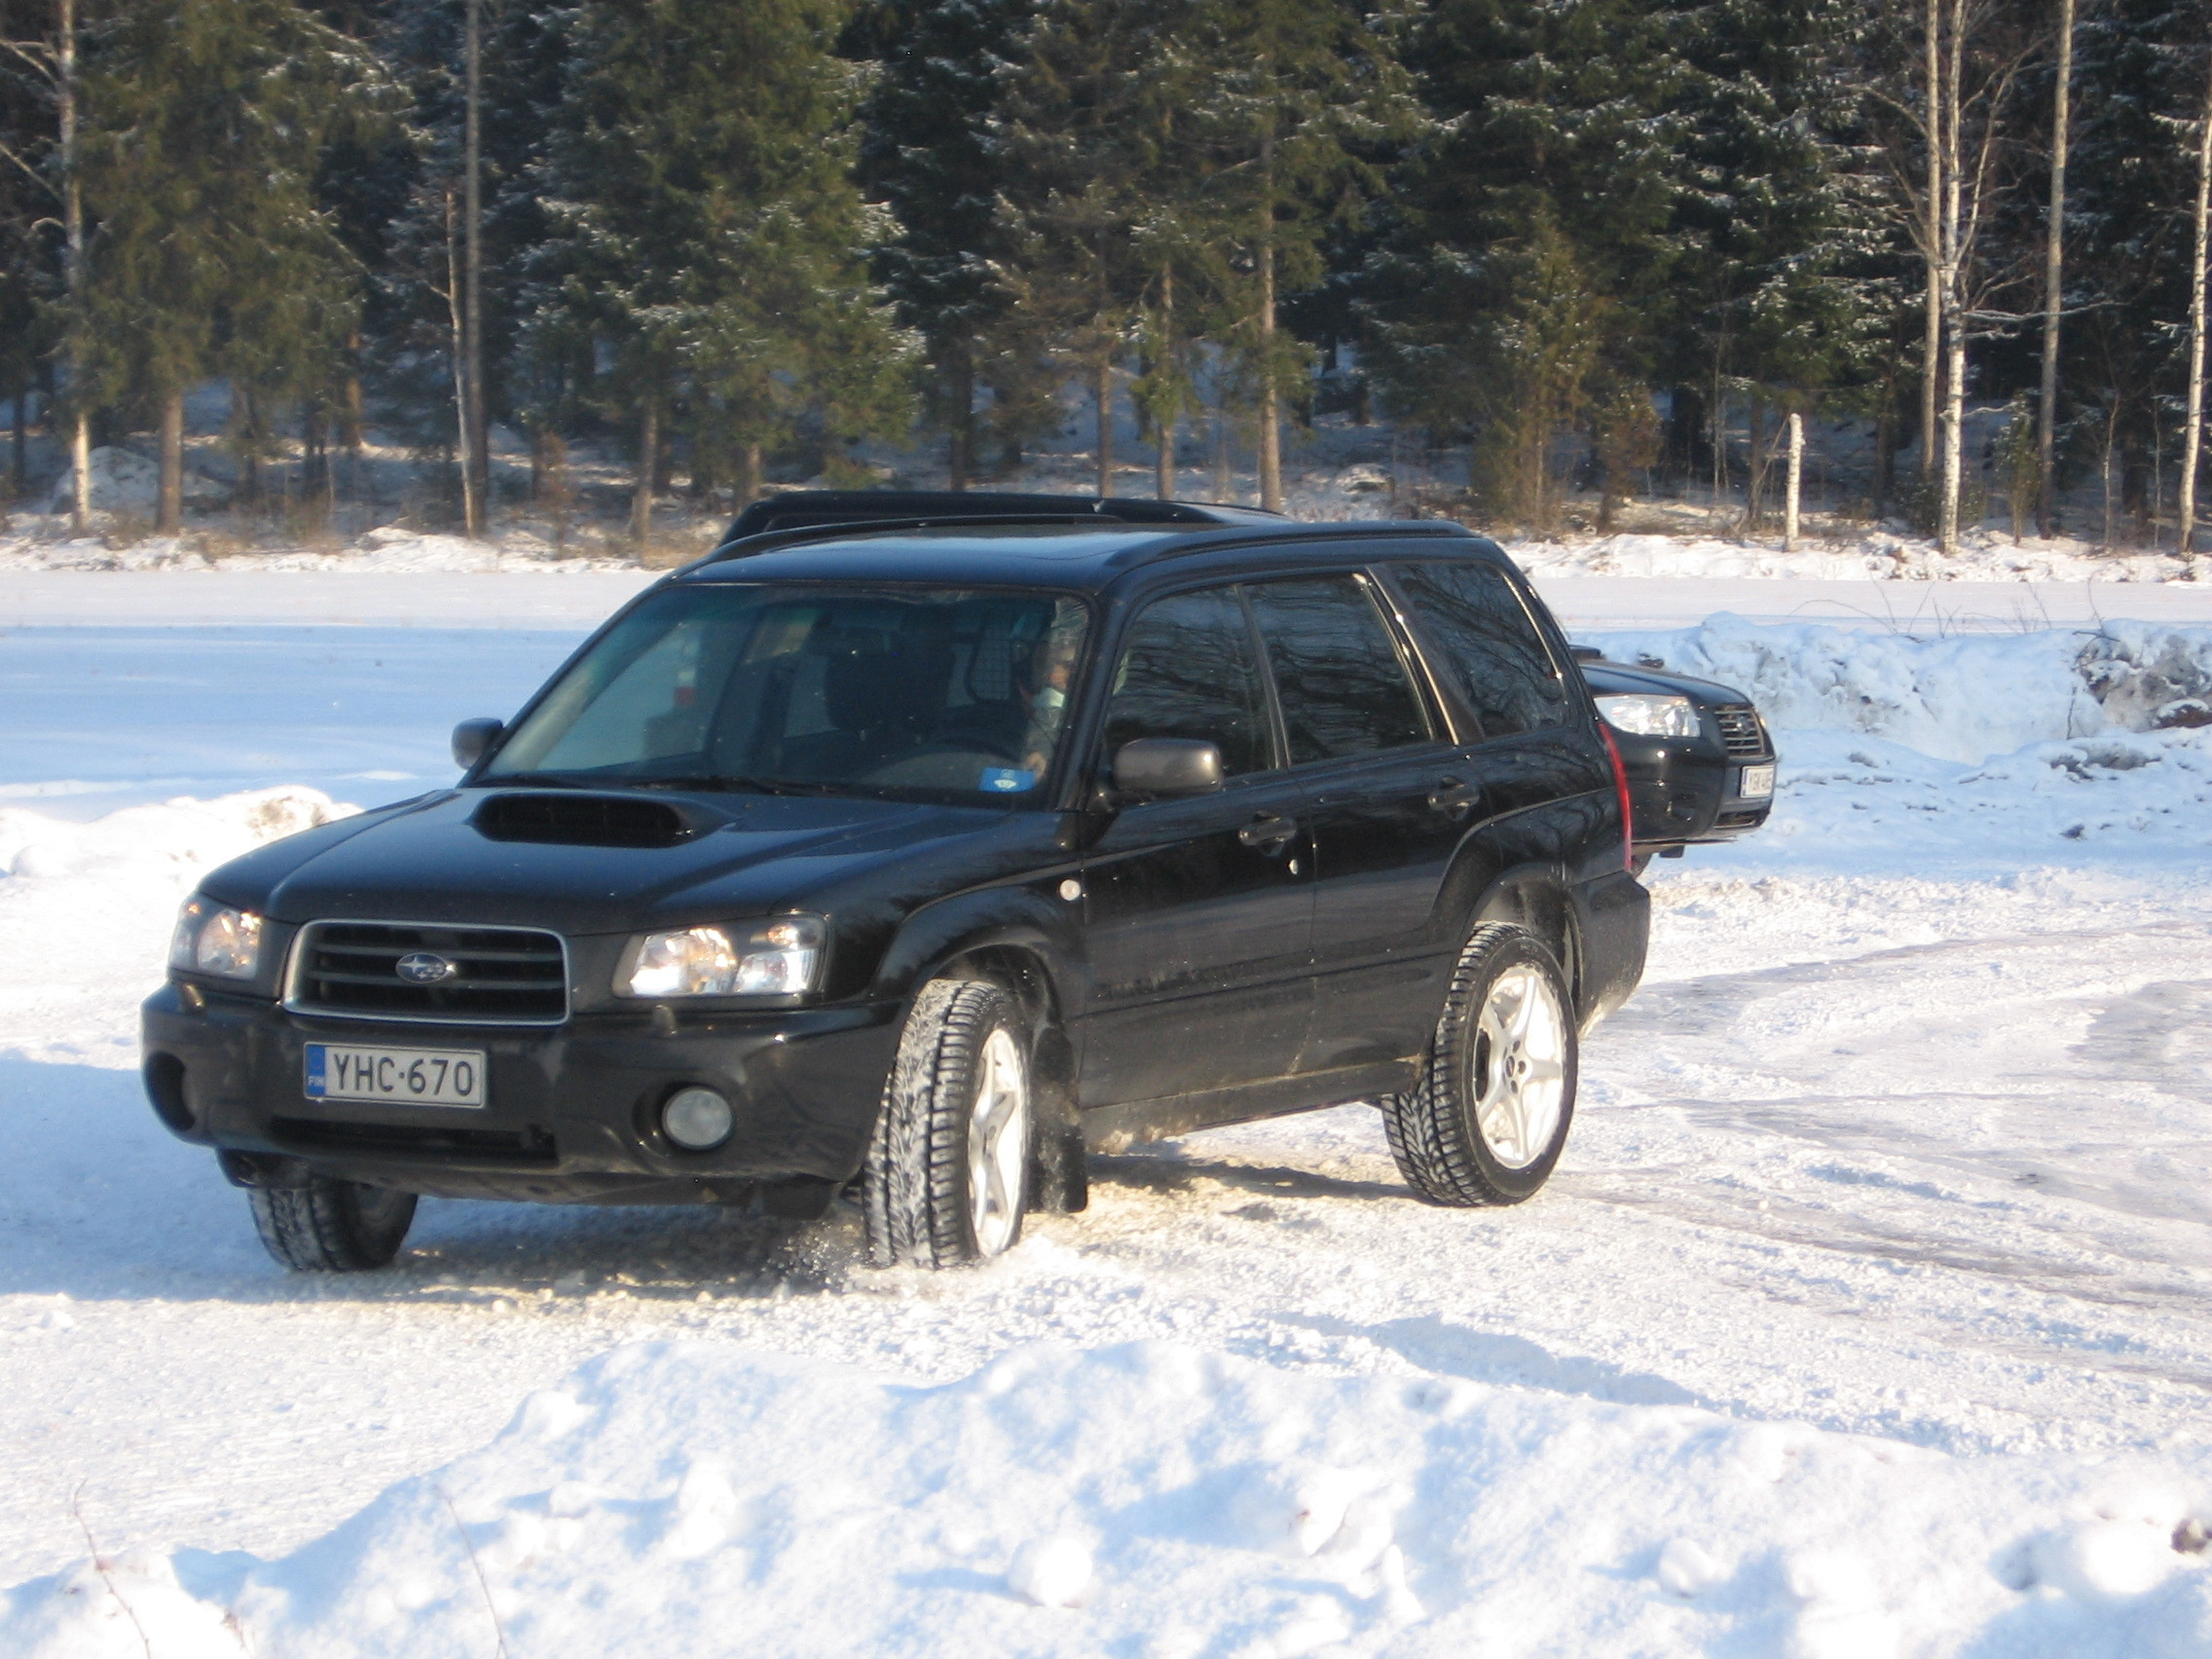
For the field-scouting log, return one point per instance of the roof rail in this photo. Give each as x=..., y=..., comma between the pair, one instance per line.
x=774, y=541
x=796, y=510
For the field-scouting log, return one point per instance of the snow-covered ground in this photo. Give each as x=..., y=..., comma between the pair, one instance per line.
x=1870, y=1312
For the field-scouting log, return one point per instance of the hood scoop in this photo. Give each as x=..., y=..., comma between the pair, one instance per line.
x=584, y=821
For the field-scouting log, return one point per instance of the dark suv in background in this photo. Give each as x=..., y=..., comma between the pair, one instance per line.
x=1701, y=767
x=914, y=858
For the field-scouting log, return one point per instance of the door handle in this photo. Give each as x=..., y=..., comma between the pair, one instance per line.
x=1454, y=799
x=1269, y=833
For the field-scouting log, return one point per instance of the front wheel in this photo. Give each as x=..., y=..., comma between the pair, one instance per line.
x=331, y=1226
x=947, y=1176
x=1486, y=1121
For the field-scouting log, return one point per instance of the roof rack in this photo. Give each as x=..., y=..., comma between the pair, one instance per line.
x=797, y=510
x=774, y=541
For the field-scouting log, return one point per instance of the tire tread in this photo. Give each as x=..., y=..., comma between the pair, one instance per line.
x=1428, y=1126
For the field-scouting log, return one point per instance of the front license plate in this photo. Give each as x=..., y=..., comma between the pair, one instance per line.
x=406, y=1077
x=1758, y=783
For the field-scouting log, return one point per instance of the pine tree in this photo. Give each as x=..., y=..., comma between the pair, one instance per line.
x=30, y=200
x=704, y=236
x=1296, y=102
x=926, y=152
x=1550, y=125
x=207, y=122
x=1090, y=194
x=1777, y=282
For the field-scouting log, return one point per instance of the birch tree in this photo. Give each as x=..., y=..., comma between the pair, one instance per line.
x=2193, y=415
x=2054, y=274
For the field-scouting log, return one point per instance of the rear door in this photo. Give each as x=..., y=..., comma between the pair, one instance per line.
x=1392, y=796
x=1544, y=770
x=1199, y=912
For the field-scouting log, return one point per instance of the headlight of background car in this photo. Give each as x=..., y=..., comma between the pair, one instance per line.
x=772, y=958
x=214, y=938
x=1650, y=716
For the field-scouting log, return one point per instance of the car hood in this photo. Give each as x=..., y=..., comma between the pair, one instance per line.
x=435, y=859
x=1619, y=679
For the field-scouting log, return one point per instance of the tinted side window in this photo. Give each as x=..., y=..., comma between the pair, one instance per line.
x=1189, y=671
x=1342, y=686
x=1490, y=649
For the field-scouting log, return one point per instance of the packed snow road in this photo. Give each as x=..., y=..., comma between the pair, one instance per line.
x=1909, y=1135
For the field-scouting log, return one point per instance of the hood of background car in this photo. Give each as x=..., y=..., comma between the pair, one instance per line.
x=493, y=856
x=1619, y=679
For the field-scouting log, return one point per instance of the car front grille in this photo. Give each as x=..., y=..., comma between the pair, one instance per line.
x=493, y=975
x=1741, y=733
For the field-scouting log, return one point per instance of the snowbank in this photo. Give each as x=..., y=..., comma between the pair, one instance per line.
x=696, y=1499
x=1880, y=555
x=386, y=551
x=1960, y=698
x=1979, y=752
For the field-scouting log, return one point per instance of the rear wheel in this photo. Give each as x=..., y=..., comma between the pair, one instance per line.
x=1486, y=1124
x=332, y=1227
x=947, y=1176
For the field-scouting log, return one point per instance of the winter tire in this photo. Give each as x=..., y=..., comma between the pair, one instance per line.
x=329, y=1226
x=1486, y=1122
x=947, y=1172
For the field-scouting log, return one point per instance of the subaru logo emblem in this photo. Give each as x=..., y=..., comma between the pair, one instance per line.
x=421, y=968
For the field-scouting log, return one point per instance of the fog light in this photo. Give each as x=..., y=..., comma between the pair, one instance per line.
x=696, y=1119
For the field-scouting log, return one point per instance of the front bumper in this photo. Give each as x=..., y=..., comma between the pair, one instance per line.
x=570, y=1113
x=1685, y=793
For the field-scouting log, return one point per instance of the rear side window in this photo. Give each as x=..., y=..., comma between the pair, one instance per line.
x=1189, y=671
x=1490, y=649
x=1338, y=673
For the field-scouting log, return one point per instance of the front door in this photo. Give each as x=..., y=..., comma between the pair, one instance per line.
x=1198, y=911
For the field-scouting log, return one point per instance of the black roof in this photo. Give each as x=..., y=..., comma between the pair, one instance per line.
x=1079, y=542
x=1062, y=555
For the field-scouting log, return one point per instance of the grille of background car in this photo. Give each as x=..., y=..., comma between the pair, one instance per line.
x=1740, y=730
x=506, y=975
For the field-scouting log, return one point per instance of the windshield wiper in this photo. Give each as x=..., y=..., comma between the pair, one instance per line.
x=540, y=780
x=730, y=783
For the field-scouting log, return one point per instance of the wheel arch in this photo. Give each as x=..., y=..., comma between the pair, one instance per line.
x=1016, y=939
x=1537, y=901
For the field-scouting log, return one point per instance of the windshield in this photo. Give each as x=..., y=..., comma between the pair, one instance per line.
x=923, y=694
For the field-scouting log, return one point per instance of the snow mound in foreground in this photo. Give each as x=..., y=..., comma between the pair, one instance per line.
x=693, y=1499
x=1960, y=698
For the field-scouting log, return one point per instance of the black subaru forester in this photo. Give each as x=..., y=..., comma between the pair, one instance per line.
x=913, y=859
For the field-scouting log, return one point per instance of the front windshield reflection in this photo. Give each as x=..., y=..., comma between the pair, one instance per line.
x=917, y=694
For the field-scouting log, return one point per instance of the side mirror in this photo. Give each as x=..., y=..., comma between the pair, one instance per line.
x=1167, y=766
x=472, y=738
x=1586, y=654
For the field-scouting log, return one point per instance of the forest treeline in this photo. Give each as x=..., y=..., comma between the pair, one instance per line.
x=1575, y=240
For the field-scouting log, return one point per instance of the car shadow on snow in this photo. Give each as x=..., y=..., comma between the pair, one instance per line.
x=1171, y=1168
x=98, y=1202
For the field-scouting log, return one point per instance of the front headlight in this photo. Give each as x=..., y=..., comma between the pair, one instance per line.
x=1650, y=716
x=777, y=958
x=214, y=938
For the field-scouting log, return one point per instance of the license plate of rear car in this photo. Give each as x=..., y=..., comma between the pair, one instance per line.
x=403, y=1077
x=1758, y=783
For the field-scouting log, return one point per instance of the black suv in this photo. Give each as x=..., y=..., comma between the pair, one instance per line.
x=914, y=859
